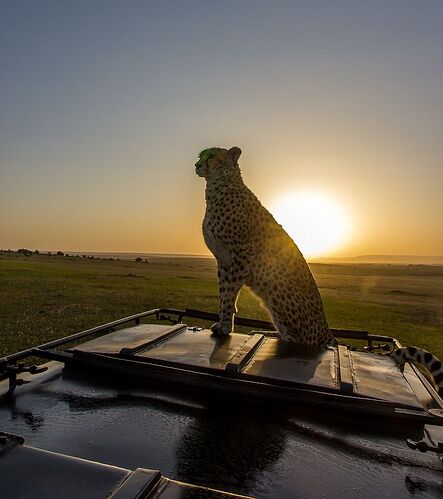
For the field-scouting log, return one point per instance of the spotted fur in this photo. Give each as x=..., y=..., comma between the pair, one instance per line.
x=252, y=249
x=423, y=357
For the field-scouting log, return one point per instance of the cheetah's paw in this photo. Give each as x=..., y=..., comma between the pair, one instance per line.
x=219, y=329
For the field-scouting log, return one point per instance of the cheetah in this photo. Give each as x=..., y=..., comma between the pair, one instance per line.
x=252, y=249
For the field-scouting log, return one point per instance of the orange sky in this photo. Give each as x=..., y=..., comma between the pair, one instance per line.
x=104, y=112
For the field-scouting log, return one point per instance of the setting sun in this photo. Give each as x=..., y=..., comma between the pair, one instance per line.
x=316, y=221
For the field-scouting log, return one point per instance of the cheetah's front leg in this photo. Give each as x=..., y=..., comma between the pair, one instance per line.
x=231, y=279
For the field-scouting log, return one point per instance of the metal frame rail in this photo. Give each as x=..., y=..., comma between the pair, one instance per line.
x=9, y=366
x=165, y=314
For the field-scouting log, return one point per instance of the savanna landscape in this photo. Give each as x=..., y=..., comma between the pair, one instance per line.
x=45, y=297
x=142, y=142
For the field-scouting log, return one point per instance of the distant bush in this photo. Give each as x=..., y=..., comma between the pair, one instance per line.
x=24, y=251
x=60, y=253
x=138, y=259
x=36, y=252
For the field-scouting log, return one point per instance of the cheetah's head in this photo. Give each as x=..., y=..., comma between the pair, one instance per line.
x=218, y=163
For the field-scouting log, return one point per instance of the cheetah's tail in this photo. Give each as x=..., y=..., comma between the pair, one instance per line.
x=423, y=357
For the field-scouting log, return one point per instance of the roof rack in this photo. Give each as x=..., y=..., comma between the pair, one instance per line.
x=256, y=365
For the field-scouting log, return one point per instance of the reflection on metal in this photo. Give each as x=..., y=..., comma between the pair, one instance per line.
x=279, y=361
x=128, y=341
x=379, y=376
x=12, y=370
x=432, y=441
x=196, y=349
x=34, y=472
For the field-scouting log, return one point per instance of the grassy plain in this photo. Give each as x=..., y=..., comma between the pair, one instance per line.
x=45, y=297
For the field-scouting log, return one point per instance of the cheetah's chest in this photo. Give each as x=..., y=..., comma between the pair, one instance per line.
x=215, y=243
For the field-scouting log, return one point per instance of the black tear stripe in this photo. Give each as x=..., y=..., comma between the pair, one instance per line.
x=412, y=350
x=438, y=378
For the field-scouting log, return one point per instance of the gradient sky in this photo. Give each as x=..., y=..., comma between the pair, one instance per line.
x=105, y=105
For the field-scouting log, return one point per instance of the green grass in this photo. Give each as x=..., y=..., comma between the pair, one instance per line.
x=48, y=297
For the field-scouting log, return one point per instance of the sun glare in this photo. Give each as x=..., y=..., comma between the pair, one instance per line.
x=315, y=221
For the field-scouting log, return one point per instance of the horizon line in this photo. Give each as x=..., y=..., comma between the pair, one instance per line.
x=207, y=255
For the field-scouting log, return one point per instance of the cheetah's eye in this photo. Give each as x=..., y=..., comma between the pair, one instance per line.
x=212, y=156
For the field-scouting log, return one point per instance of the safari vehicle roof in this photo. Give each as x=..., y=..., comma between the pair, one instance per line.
x=244, y=414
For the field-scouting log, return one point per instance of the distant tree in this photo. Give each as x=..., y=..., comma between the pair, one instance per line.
x=60, y=253
x=36, y=252
x=138, y=259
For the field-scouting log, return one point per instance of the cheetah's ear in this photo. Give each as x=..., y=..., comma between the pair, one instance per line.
x=235, y=152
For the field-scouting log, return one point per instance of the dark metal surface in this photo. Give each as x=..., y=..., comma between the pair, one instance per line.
x=379, y=376
x=261, y=450
x=345, y=373
x=129, y=340
x=28, y=472
x=198, y=348
x=141, y=482
x=282, y=361
x=256, y=359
